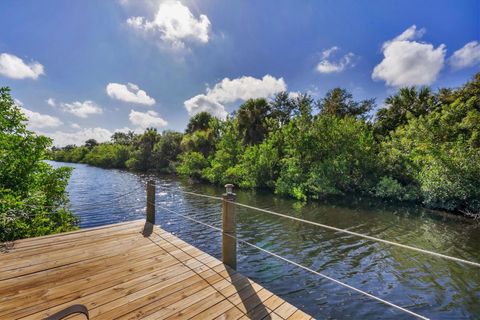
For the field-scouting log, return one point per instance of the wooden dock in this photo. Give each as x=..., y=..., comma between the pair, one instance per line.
x=128, y=270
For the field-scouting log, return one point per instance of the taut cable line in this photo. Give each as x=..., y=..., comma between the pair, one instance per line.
x=404, y=246
x=390, y=304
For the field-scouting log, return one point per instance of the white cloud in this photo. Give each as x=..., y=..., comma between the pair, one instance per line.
x=294, y=94
x=409, y=63
x=146, y=119
x=78, y=137
x=61, y=138
x=129, y=93
x=51, y=102
x=14, y=67
x=327, y=66
x=81, y=109
x=39, y=121
x=467, y=56
x=204, y=103
x=228, y=91
x=17, y=102
x=175, y=25
x=128, y=129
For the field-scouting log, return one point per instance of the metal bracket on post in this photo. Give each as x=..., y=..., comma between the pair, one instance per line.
x=151, y=201
x=229, y=242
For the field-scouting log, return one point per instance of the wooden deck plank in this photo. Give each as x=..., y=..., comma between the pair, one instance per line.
x=297, y=315
x=67, y=273
x=118, y=272
x=141, y=282
x=285, y=310
x=38, y=242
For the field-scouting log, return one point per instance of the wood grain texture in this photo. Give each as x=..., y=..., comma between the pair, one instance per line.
x=120, y=272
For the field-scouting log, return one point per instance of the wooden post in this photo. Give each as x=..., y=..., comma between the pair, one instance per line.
x=151, y=201
x=229, y=243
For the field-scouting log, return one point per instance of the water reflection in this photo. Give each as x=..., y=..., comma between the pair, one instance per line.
x=427, y=285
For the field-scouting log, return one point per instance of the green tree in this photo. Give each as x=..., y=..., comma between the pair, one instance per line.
x=438, y=154
x=33, y=199
x=282, y=108
x=407, y=103
x=200, y=121
x=228, y=151
x=167, y=150
x=339, y=102
x=141, y=158
x=252, y=120
x=201, y=134
x=192, y=164
x=107, y=155
x=124, y=138
x=334, y=156
x=90, y=143
x=258, y=166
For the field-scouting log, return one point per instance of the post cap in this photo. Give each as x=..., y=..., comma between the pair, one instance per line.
x=229, y=188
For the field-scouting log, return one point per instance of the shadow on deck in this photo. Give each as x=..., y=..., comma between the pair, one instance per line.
x=128, y=270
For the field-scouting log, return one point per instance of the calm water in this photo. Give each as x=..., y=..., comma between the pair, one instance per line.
x=430, y=286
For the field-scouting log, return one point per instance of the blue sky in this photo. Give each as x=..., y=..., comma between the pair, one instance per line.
x=88, y=68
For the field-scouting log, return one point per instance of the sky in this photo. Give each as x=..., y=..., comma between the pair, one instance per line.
x=86, y=69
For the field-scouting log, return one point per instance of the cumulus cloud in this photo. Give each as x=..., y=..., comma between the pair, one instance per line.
x=228, y=91
x=467, y=56
x=51, y=102
x=326, y=65
x=14, y=67
x=204, y=103
x=129, y=93
x=146, y=119
x=174, y=25
x=62, y=138
x=78, y=137
x=81, y=109
x=39, y=121
x=408, y=62
x=294, y=94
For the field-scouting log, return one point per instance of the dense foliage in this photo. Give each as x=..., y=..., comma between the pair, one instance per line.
x=422, y=146
x=33, y=199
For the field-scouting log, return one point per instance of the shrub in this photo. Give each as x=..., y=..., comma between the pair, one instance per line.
x=192, y=164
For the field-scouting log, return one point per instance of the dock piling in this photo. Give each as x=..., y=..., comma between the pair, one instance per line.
x=229, y=243
x=151, y=201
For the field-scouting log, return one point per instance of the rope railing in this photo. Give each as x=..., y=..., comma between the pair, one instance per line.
x=369, y=295
x=226, y=200
x=83, y=207
x=91, y=204
x=392, y=243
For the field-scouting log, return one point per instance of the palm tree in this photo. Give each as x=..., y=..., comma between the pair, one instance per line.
x=252, y=120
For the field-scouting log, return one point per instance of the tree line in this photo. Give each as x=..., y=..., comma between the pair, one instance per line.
x=423, y=146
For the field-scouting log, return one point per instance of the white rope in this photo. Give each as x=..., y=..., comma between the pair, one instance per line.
x=198, y=194
x=303, y=267
x=476, y=264
x=332, y=279
x=190, y=218
x=439, y=255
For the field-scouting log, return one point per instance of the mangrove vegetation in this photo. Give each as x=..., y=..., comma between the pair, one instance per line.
x=33, y=198
x=420, y=146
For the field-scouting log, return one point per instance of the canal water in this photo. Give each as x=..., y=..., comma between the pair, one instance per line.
x=430, y=286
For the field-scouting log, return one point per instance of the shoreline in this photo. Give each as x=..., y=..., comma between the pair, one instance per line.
x=457, y=216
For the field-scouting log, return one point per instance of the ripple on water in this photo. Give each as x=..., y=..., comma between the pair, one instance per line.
x=427, y=285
